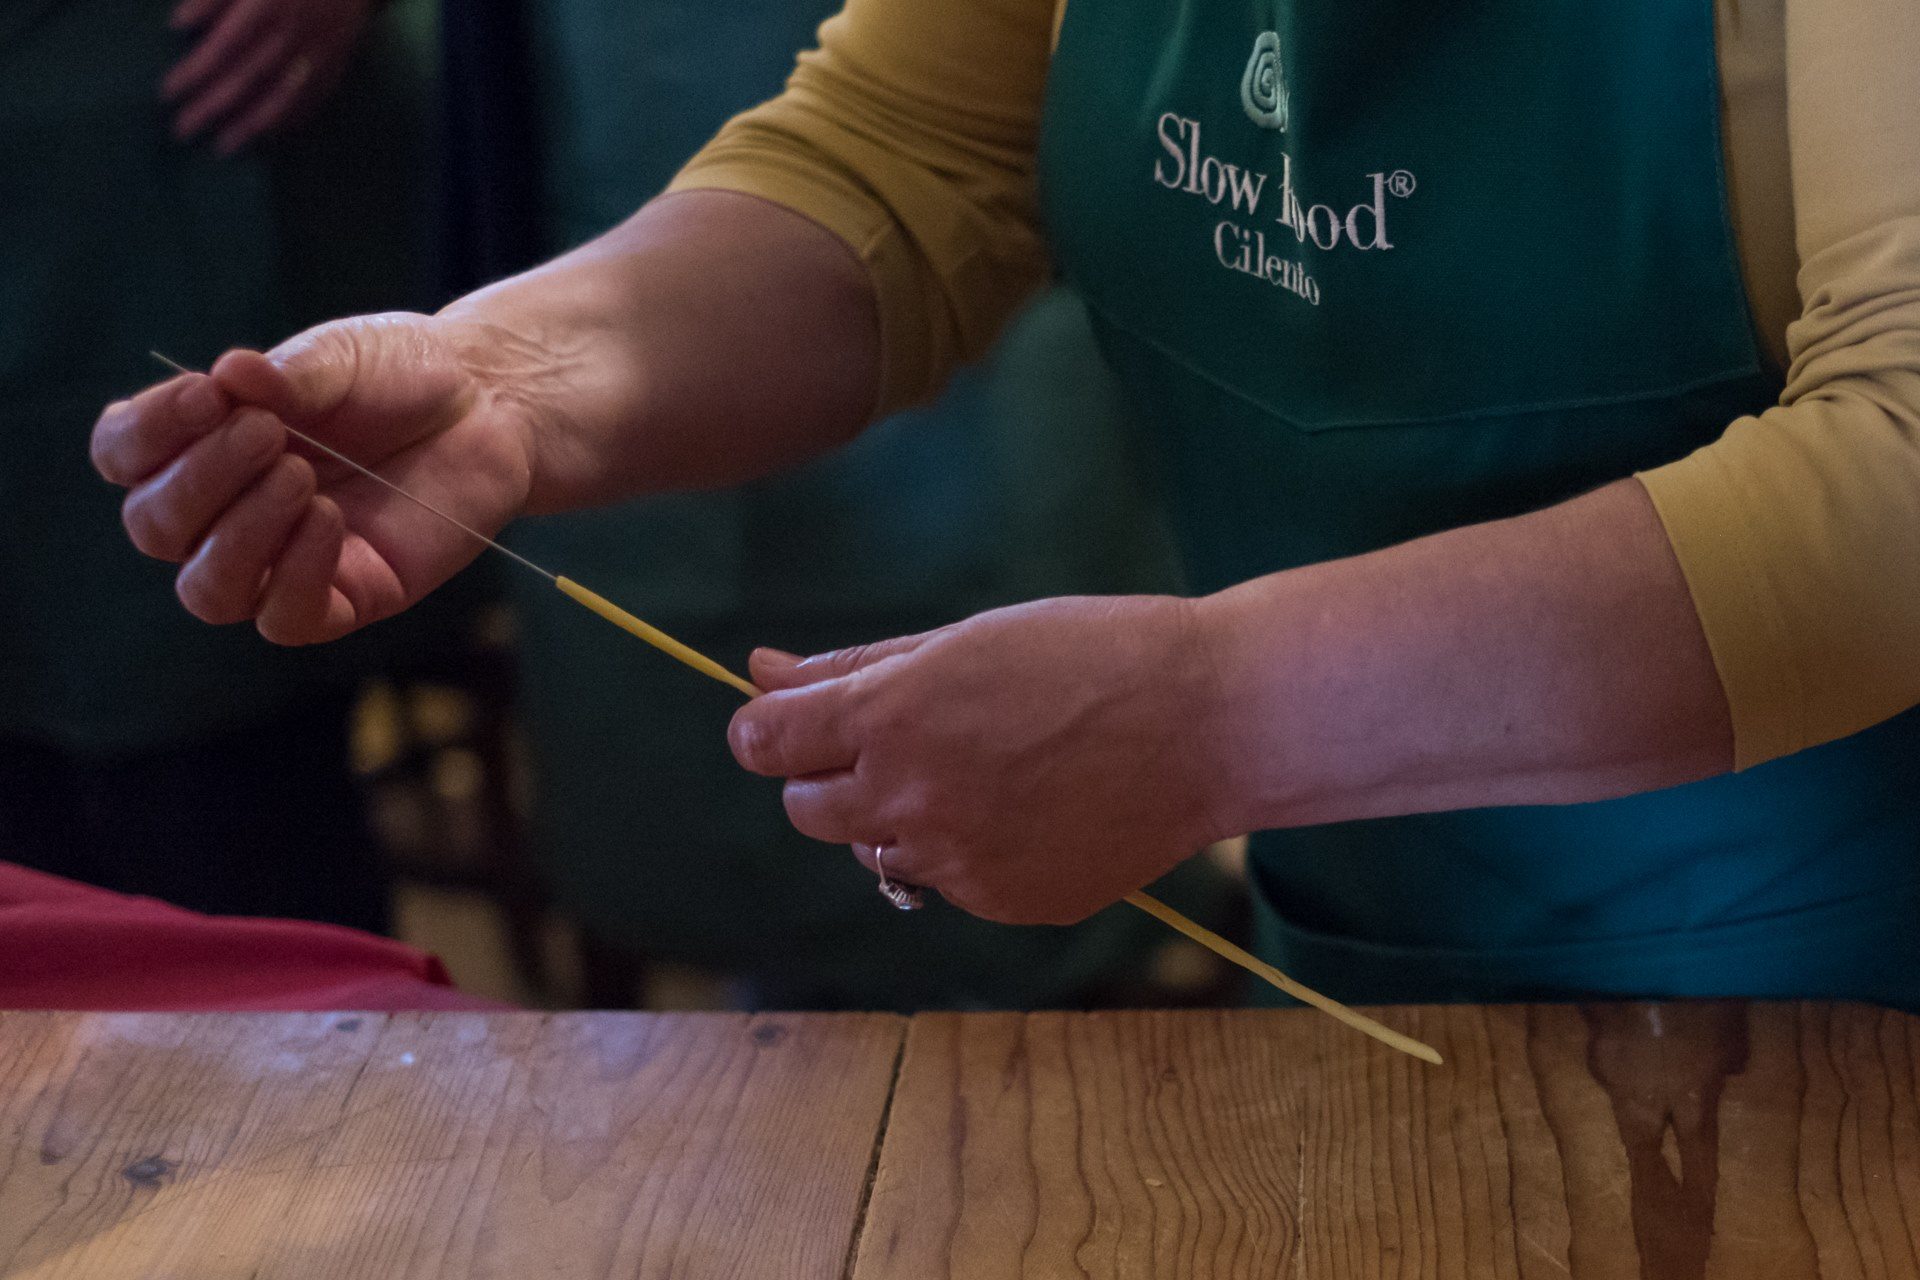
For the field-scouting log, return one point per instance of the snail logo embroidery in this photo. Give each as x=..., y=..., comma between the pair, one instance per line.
x=1261, y=201
x=1263, y=91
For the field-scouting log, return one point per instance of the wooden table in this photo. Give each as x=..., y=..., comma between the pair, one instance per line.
x=1671, y=1142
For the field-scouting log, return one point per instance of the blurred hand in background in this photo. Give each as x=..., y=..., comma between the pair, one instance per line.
x=127, y=726
x=258, y=65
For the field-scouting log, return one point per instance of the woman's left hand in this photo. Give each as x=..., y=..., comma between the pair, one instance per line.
x=259, y=64
x=1033, y=764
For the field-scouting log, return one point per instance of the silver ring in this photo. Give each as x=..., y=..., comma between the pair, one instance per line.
x=902, y=895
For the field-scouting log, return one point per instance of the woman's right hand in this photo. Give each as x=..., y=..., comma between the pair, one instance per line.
x=710, y=339
x=270, y=531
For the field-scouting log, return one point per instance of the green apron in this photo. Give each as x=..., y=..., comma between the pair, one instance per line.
x=1377, y=269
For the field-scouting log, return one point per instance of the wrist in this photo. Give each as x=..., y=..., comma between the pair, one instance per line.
x=1224, y=737
x=1272, y=767
x=533, y=379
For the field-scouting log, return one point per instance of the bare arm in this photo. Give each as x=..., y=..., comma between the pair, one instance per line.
x=708, y=340
x=1037, y=763
x=712, y=338
x=1549, y=659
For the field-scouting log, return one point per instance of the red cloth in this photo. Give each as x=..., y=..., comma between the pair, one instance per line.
x=70, y=946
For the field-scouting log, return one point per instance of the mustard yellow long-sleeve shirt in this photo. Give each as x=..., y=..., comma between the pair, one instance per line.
x=910, y=134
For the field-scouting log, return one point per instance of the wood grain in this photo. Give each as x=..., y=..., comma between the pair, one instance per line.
x=312, y=1147
x=1638, y=1142
x=1619, y=1142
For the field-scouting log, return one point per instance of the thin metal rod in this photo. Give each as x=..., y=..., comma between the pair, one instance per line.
x=377, y=478
x=700, y=662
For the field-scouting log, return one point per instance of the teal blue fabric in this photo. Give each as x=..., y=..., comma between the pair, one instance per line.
x=1380, y=269
x=118, y=240
x=1019, y=483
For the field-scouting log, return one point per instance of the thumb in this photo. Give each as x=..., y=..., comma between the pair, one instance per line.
x=773, y=669
x=393, y=360
x=306, y=377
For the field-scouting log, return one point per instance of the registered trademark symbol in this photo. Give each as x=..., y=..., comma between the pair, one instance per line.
x=1401, y=183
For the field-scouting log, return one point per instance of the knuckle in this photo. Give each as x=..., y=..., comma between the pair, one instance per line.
x=326, y=351
x=915, y=808
x=209, y=599
x=294, y=482
x=809, y=813
x=378, y=604
x=149, y=524
x=275, y=631
x=252, y=442
x=290, y=625
x=832, y=665
x=890, y=715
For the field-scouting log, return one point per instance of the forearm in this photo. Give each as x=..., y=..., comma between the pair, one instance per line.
x=1550, y=659
x=710, y=339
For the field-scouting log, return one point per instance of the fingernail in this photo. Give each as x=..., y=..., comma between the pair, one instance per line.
x=745, y=737
x=779, y=658
x=201, y=404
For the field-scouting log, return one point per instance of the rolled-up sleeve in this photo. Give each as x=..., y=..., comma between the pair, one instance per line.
x=1799, y=529
x=910, y=134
